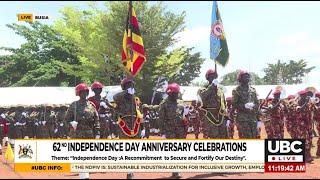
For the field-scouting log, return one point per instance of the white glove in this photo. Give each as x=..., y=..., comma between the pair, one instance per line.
x=97, y=136
x=131, y=91
x=143, y=133
x=74, y=124
x=56, y=130
x=36, y=124
x=3, y=116
x=17, y=123
x=61, y=124
x=259, y=125
x=228, y=123
x=249, y=106
x=24, y=114
x=103, y=104
x=215, y=82
x=163, y=136
x=44, y=122
x=186, y=110
x=7, y=124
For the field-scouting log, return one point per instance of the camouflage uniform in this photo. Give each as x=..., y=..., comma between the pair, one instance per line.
x=62, y=125
x=171, y=115
x=214, y=111
x=46, y=123
x=11, y=127
x=316, y=117
x=267, y=121
x=231, y=117
x=124, y=105
x=3, y=125
x=30, y=122
x=86, y=115
x=195, y=119
x=21, y=121
x=304, y=126
x=291, y=122
x=104, y=118
x=246, y=119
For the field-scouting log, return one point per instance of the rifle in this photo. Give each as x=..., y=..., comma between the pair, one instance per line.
x=263, y=103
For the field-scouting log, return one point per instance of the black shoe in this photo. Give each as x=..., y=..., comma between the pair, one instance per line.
x=176, y=175
x=130, y=176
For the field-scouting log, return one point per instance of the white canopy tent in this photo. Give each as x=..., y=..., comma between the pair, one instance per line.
x=66, y=95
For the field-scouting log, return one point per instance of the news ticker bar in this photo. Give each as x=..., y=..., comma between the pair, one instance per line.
x=151, y=167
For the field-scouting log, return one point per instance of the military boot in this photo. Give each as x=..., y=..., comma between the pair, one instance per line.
x=130, y=176
x=176, y=175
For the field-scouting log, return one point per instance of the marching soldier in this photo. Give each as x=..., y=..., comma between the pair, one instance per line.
x=172, y=114
x=62, y=125
x=46, y=123
x=104, y=118
x=30, y=122
x=83, y=118
x=214, y=106
x=146, y=118
x=127, y=112
x=230, y=118
x=245, y=101
x=20, y=121
x=12, y=126
x=266, y=118
x=195, y=119
x=304, y=126
x=316, y=117
x=291, y=116
x=97, y=87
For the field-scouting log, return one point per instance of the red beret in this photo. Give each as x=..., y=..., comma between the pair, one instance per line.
x=303, y=92
x=269, y=99
x=317, y=93
x=291, y=97
x=277, y=92
x=229, y=99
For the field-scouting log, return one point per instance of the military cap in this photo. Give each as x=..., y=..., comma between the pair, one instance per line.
x=303, y=92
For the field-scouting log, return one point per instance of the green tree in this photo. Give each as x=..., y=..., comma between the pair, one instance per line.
x=286, y=73
x=231, y=79
x=190, y=69
x=99, y=32
x=35, y=62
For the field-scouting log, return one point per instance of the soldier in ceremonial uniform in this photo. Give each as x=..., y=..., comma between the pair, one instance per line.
x=97, y=87
x=46, y=123
x=127, y=112
x=172, y=114
x=266, y=118
x=316, y=117
x=195, y=118
x=245, y=101
x=146, y=119
x=304, y=125
x=104, y=118
x=291, y=116
x=30, y=122
x=20, y=121
x=83, y=118
x=62, y=126
x=214, y=106
x=230, y=118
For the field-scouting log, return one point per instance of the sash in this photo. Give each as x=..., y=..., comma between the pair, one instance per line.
x=125, y=129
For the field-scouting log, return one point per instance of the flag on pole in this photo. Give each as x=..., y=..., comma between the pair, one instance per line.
x=136, y=46
x=9, y=153
x=218, y=44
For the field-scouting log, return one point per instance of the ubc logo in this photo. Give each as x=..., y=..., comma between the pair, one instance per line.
x=284, y=150
x=285, y=147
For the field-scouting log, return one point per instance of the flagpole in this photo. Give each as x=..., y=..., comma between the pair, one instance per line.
x=131, y=57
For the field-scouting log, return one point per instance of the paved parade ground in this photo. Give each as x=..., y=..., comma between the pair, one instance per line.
x=312, y=171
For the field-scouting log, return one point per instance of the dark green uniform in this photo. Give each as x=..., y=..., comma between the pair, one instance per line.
x=171, y=115
x=246, y=119
x=214, y=109
x=85, y=114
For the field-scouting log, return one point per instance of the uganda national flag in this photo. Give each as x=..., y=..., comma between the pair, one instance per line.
x=136, y=45
x=218, y=44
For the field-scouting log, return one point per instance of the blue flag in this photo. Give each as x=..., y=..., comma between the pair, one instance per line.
x=218, y=43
